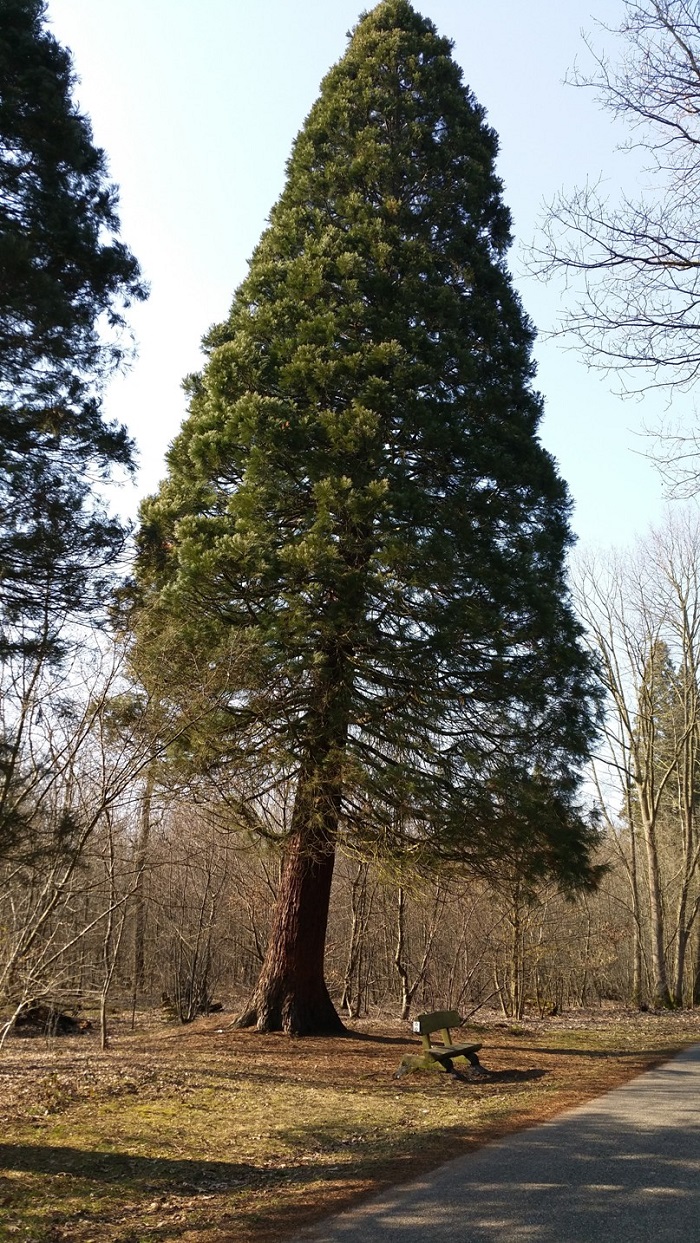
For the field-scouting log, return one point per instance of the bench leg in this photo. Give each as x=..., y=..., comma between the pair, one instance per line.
x=447, y=1063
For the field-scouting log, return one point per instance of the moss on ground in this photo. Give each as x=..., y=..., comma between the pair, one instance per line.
x=183, y=1133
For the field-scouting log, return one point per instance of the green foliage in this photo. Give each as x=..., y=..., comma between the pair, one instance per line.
x=64, y=282
x=359, y=518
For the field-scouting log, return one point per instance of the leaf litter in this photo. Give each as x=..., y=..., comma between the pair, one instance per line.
x=192, y=1133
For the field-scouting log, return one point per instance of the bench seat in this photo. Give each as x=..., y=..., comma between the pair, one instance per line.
x=444, y=1052
x=438, y=1056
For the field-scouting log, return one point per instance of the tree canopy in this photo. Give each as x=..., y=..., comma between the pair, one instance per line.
x=65, y=281
x=360, y=526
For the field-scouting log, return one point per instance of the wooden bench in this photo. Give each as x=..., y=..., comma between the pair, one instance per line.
x=438, y=1056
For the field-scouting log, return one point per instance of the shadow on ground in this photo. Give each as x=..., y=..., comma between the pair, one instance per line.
x=370, y=1038
x=153, y=1173
x=482, y=1074
x=624, y=1168
x=615, y=1055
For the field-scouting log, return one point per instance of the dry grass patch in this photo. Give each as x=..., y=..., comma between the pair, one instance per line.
x=201, y=1135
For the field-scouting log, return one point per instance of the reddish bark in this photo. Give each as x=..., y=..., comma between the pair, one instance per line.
x=291, y=994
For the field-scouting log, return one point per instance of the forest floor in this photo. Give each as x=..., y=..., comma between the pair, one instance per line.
x=203, y=1133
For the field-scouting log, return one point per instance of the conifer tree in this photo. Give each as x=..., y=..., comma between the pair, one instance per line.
x=360, y=525
x=65, y=279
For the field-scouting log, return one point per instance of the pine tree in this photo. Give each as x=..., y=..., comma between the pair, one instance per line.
x=65, y=280
x=360, y=525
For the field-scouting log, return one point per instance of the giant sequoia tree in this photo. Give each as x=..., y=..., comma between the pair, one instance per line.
x=359, y=526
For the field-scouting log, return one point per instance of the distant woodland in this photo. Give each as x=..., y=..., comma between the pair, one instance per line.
x=346, y=726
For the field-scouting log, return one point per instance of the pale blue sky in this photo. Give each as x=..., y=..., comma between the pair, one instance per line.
x=197, y=103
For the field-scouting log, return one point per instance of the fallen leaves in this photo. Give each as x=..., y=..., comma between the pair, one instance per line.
x=161, y=1136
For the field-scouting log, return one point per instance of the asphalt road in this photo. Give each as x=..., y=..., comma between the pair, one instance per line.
x=624, y=1168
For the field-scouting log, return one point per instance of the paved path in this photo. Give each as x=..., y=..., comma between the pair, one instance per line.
x=624, y=1168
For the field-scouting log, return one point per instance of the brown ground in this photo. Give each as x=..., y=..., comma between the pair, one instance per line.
x=201, y=1135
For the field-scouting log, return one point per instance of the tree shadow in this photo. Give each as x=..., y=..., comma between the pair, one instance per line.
x=152, y=1173
x=369, y=1038
x=611, y=1054
x=481, y=1074
x=624, y=1166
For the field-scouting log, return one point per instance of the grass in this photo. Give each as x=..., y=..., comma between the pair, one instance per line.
x=199, y=1135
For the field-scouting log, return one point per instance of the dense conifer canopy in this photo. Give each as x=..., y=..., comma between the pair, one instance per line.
x=359, y=519
x=65, y=280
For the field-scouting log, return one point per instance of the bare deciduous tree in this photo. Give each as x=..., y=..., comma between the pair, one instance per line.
x=631, y=261
x=643, y=616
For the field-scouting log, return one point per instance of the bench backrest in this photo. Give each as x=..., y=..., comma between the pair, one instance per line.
x=425, y=1024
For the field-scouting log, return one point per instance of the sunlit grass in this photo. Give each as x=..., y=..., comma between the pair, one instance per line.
x=182, y=1133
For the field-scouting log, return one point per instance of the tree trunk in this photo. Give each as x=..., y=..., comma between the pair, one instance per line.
x=696, y=976
x=501, y=992
x=141, y=858
x=399, y=962
x=679, y=971
x=662, y=994
x=637, y=983
x=359, y=915
x=291, y=993
x=517, y=958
